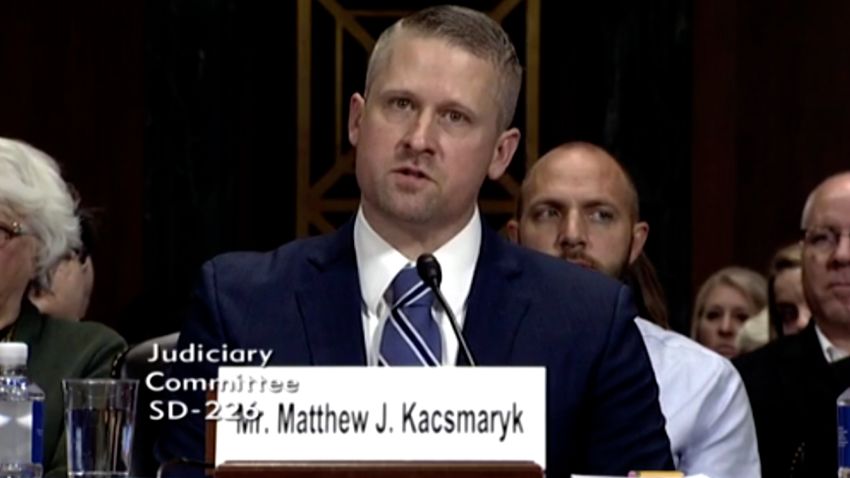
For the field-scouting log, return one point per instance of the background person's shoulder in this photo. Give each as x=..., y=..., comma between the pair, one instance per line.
x=87, y=348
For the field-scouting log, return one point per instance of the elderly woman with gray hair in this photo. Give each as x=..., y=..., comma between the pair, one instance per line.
x=38, y=229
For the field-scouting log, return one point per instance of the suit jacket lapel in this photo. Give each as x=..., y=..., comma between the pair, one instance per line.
x=496, y=305
x=330, y=302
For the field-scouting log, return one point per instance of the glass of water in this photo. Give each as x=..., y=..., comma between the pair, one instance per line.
x=99, y=419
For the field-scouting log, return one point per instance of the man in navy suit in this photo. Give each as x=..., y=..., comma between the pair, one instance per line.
x=441, y=90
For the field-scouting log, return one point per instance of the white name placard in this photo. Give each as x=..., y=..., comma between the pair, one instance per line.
x=381, y=413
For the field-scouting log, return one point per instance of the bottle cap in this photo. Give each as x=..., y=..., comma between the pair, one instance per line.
x=13, y=354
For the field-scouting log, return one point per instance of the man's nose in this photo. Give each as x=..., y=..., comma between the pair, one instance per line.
x=419, y=136
x=573, y=230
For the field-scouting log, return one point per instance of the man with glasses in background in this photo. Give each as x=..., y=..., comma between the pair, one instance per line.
x=794, y=382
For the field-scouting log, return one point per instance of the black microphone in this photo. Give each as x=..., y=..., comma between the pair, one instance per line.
x=430, y=272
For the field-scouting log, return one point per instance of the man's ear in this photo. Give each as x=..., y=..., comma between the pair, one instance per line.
x=503, y=154
x=640, y=231
x=356, y=107
x=513, y=230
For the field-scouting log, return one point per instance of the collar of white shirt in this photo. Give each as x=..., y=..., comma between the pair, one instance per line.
x=378, y=263
x=830, y=351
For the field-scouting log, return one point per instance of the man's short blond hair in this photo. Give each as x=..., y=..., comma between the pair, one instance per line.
x=468, y=29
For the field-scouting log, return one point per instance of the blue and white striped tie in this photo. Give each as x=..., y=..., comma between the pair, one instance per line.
x=411, y=335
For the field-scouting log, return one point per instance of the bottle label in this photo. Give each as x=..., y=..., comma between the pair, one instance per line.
x=843, y=436
x=38, y=432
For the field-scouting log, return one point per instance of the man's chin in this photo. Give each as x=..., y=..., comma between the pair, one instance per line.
x=584, y=264
x=407, y=208
x=837, y=313
x=594, y=266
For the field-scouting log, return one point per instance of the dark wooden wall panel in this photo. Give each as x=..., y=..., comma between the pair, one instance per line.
x=771, y=117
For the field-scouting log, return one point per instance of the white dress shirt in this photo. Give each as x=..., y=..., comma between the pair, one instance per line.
x=378, y=263
x=709, y=420
x=830, y=352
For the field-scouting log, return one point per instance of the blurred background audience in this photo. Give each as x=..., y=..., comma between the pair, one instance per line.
x=787, y=312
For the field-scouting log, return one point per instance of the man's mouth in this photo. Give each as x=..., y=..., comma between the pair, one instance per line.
x=411, y=172
x=581, y=261
x=839, y=279
x=841, y=287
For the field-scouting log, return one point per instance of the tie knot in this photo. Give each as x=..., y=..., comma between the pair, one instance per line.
x=409, y=290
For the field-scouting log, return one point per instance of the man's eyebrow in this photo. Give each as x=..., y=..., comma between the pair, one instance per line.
x=599, y=202
x=546, y=201
x=590, y=203
x=826, y=225
x=393, y=92
x=458, y=105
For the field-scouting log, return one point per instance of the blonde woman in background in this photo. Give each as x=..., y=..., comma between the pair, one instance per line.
x=725, y=301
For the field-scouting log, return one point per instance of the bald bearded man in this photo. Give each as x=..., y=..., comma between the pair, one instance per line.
x=579, y=204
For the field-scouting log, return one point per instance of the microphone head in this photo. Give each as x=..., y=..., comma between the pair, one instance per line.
x=429, y=269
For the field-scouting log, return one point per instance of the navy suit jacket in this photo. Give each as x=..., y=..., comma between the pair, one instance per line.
x=303, y=301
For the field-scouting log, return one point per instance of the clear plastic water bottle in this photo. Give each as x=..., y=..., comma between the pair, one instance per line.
x=21, y=416
x=844, y=434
